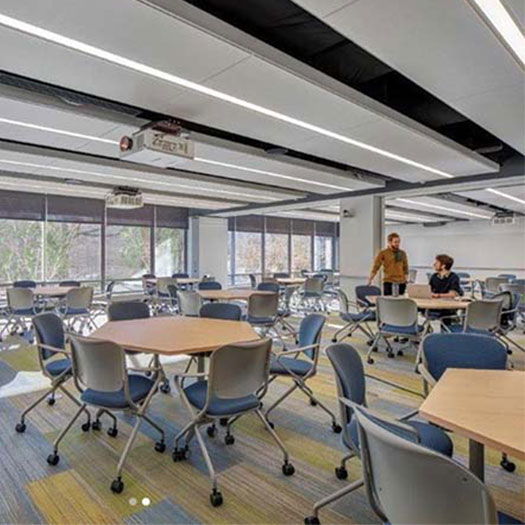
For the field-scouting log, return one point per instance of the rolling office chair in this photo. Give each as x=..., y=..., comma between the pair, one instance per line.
x=102, y=301
x=236, y=383
x=285, y=311
x=464, y=280
x=396, y=317
x=76, y=308
x=173, y=302
x=492, y=285
x=189, y=302
x=440, y=489
x=50, y=344
x=21, y=307
x=225, y=311
x=262, y=312
x=24, y=284
x=516, y=288
x=164, y=297
x=442, y=351
x=351, y=385
x=508, y=321
x=312, y=296
x=210, y=285
x=269, y=286
x=65, y=284
x=481, y=317
x=101, y=376
x=288, y=363
x=357, y=320
x=509, y=276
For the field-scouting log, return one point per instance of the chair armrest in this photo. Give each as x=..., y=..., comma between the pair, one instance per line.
x=410, y=415
x=425, y=374
x=54, y=349
x=295, y=351
x=389, y=383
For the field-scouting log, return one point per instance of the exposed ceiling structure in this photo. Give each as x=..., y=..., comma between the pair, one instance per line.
x=270, y=125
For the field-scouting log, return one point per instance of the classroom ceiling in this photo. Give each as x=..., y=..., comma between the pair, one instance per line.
x=242, y=99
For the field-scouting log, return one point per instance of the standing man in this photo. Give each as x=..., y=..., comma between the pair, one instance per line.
x=395, y=266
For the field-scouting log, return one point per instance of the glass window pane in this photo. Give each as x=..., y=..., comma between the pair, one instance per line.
x=301, y=252
x=169, y=251
x=276, y=252
x=248, y=253
x=73, y=251
x=323, y=252
x=21, y=252
x=127, y=252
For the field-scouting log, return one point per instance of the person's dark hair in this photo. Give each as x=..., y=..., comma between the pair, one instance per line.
x=392, y=236
x=445, y=260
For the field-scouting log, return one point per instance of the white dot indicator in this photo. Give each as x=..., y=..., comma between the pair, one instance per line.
x=132, y=501
x=146, y=501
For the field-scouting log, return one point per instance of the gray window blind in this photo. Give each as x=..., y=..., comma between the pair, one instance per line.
x=302, y=227
x=277, y=225
x=137, y=217
x=249, y=223
x=74, y=209
x=22, y=205
x=325, y=228
x=172, y=217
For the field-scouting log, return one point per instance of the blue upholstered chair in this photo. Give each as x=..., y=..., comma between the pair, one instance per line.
x=101, y=376
x=300, y=364
x=236, y=383
x=268, y=286
x=464, y=350
x=24, y=284
x=225, y=311
x=440, y=490
x=351, y=386
x=54, y=363
x=357, y=320
x=210, y=285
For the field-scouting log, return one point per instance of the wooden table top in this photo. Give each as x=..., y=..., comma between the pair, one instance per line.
x=53, y=291
x=289, y=281
x=431, y=304
x=179, y=280
x=175, y=335
x=231, y=294
x=487, y=406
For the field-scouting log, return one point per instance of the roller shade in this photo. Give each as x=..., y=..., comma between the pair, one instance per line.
x=74, y=209
x=249, y=223
x=137, y=217
x=22, y=205
x=325, y=229
x=172, y=217
x=277, y=225
x=302, y=227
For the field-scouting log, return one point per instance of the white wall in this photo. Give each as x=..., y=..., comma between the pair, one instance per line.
x=478, y=247
x=209, y=248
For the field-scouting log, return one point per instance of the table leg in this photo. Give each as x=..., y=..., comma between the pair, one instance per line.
x=477, y=459
x=200, y=365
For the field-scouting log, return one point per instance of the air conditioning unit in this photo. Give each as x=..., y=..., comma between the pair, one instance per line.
x=161, y=144
x=504, y=218
x=124, y=198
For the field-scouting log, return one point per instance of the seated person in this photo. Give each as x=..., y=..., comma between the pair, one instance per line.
x=444, y=284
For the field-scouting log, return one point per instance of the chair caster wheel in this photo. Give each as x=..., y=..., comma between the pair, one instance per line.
x=337, y=428
x=223, y=421
x=216, y=498
x=96, y=425
x=20, y=428
x=117, y=486
x=165, y=388
x=341, y=473
x=53, y=459
x=229, y=440
x=313, y=402
x=85, y=427
x=312, y=520
x=160, y=447
x=51, y=401
x=180, y=454
x=400, y=352
x=112, y=432
x=288, y=469
x=396, y=339
x=370, y=342
x=390, y=355
x=507, y=465
x=334, y=339
x=211, y=431
x=370, y=361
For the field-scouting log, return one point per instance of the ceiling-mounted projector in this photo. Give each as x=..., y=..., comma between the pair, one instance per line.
x=124, y=198
x=157, y=144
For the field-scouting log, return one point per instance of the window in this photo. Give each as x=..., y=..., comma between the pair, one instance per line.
x=170, y=251
x=248, y=255
x=276, y=252
x=323, y=252
x=127, y=251
x=301, y=253
x=73, y=251
x=21, y=253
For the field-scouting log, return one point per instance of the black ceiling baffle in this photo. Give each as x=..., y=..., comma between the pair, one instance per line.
x=293, y=30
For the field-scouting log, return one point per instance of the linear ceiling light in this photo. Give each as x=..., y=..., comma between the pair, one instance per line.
x=134, y=179
x=55, y=130
x=506, y=195
x=87, y=49
x=503, y=24
x=444, y=208
x=270, y=173
x=402, y=216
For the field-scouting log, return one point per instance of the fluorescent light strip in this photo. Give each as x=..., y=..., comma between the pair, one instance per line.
x=511, y=197
x=502, y=22
x=58, y=131
x=270, y=173
x=87, y=49
x=444, y=208
x=401, y=216
x=134, y=179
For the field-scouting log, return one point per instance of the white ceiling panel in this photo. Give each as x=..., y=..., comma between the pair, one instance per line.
x=498, y=200
x=322, y=8
x=450, y=52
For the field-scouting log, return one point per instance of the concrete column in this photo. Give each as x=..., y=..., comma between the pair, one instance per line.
x=361, y=237
x=208, y=248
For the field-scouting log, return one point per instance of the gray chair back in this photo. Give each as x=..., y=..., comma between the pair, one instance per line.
x=483, y=315
x=239, y=370
x=289, y=292
x=24, y=284
x=314, y=285
x=363, y=291
x=514, y=288
x=210, y=285
x=98, y=365
x=180, y=275
x=126, y=310
x=49, y=331
x=509, y=276
x=190, y=303
x=396, y=311
x=19, y=298
x=440, y=490
x=225, y=311
x=80, y=297
x=343, y=301
x=309, y=334
x=492, y=284
x=65, y=284
x=269, y=286
x=263, y=305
